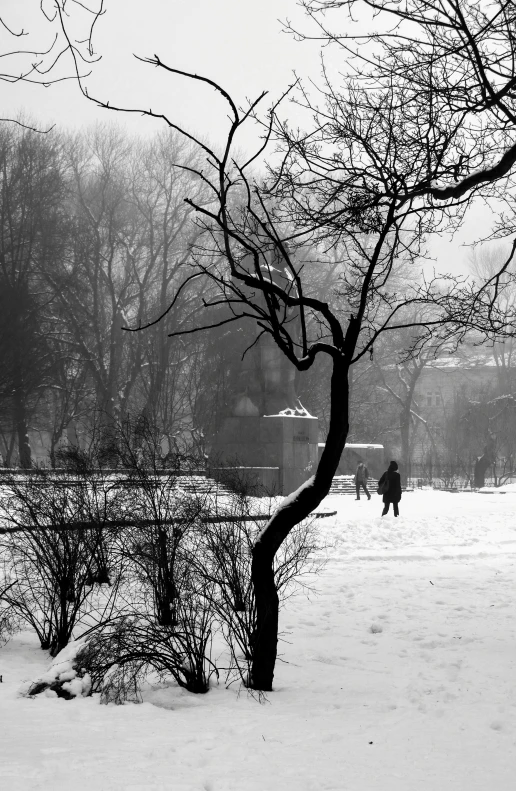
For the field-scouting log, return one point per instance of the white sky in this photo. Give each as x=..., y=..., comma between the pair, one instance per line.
x=238, y=43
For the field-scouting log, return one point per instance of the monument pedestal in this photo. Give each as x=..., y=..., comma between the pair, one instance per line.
x=275, y=453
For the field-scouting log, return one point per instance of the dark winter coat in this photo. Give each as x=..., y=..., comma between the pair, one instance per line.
x=362, y=473
x=393, y=494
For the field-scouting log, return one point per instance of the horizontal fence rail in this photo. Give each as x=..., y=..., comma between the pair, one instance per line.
x=125, y=523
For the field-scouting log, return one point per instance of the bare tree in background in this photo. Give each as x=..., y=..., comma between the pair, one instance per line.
x=399, y=375
x=167, y=371
x=485, y=262
x=32, y=234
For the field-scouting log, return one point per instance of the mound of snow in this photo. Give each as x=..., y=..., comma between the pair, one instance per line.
x=64, y=677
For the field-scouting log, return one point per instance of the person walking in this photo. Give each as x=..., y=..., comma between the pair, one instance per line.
x=389, y=486
x=361, y=476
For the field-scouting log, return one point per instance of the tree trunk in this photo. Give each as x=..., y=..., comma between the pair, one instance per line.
x=405, y=418
x=108, y=441
x=294, y=508
x=20, y=420
x=9, y=448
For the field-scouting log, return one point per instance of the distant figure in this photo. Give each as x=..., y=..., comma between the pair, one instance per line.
x=482, y=465
x=389, y=486
x=361, y=477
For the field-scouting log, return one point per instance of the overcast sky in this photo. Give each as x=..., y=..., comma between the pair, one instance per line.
x=238, y=43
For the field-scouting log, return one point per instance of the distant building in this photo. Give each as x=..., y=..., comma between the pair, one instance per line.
x=440, y=384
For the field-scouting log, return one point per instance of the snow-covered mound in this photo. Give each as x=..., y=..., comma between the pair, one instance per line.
x=507, y=488
x=64, y=677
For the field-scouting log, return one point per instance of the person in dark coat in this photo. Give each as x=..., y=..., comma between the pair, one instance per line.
x=393, y=493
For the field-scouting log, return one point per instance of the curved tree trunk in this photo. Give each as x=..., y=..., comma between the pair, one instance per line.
x=296, y=507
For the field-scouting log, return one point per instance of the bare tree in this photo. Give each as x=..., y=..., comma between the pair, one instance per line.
x=32, y=233
x=94, y=283
x=399, y=374
x=167, y=371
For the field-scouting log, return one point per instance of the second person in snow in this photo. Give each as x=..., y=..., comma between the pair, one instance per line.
x=389, y=486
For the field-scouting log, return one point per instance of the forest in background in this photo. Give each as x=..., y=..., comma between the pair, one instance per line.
x=96, y=236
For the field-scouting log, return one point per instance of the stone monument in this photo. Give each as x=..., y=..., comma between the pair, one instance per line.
x=268, y=440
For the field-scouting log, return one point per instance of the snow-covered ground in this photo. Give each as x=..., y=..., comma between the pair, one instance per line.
x=397, y=675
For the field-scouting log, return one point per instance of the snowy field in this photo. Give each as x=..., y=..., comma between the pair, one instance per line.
x=397, y=675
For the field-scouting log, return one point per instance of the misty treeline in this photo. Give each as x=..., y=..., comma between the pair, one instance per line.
x=96, y=237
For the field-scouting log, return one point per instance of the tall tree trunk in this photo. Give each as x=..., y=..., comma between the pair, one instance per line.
x=108, y=413
x=9, y=448
x=294, y=508
x=22, y=429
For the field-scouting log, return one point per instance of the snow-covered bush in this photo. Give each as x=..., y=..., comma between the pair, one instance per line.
x=121, y=654
x=105, y=658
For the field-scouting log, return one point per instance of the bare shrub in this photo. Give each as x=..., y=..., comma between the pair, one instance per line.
x=122, y=653
x=166, y=521
x=181, y=560
x=58, y=549
x=8, y=620
x=171, y=622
